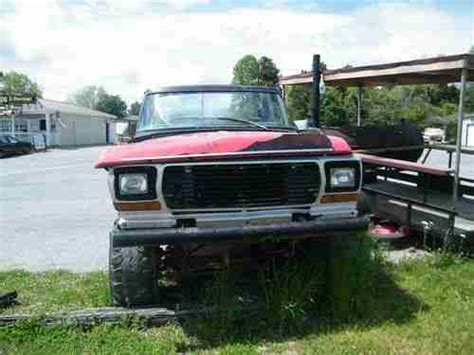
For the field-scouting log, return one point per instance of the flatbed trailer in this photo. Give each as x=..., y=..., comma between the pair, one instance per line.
x=418, y=196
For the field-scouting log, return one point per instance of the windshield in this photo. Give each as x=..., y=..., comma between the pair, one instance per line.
x=195, y=110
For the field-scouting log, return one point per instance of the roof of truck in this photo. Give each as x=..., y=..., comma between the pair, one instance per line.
x=214, y=88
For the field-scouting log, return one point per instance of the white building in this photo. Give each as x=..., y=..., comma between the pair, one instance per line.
x=61, y=124
x=467, y=138
x=126, y=128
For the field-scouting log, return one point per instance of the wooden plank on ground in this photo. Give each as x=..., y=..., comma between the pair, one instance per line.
x=151, y=316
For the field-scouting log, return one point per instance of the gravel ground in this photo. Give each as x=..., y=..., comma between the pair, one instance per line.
x=398, y=256
x=55, y=210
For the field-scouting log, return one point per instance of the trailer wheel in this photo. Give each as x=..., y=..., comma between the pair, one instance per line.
x=133, y=276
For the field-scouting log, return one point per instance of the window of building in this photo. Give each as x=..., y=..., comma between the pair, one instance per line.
x=5, y=126
x=21, y=126
x=34, y=125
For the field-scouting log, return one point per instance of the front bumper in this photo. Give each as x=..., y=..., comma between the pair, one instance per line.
x=250, y=233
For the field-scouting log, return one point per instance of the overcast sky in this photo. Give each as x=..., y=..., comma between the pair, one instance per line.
x=129, y=46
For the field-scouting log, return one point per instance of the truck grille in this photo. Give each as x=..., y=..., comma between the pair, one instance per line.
x=240, y=185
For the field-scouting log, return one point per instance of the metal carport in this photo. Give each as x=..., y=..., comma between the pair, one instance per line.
x=437, y=70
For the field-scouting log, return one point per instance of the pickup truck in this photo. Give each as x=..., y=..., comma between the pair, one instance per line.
x=218, y=175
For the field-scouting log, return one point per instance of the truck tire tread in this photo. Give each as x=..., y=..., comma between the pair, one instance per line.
x=132, y=276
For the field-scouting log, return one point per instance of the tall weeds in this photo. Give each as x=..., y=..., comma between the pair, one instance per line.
x=332, y=280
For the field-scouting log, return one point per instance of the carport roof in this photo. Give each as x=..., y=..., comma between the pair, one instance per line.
x=53, y=106
x=444, y=69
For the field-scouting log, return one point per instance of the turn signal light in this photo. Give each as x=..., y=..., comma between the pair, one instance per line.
x=339, y=198
x=138, y=206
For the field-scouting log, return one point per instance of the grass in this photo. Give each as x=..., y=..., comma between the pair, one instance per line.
x=54, y=291
x=424, y=307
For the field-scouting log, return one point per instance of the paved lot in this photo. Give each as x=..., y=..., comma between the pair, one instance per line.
x=55, y=211
x=440, y=159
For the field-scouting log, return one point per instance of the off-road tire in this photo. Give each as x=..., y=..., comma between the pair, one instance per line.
x=133, y=276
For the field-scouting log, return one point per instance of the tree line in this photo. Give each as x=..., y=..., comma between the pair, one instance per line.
x=93, y=97
x=420, y=104
x=96, y=98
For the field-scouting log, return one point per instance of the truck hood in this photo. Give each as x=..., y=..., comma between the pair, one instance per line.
x=222, y=145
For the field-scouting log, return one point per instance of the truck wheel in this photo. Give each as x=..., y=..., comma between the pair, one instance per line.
x=133, y=276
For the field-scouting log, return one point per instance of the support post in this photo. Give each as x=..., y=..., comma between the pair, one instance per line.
x=13, y=125
x=359, y=106
x=48, y=129
x=315, y=92
x=457, y=162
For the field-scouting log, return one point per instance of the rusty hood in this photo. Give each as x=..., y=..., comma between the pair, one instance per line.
x=222, y=145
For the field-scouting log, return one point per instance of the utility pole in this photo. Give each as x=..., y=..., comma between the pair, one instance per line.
x=359, y=106
x=315, y=95
x=457, y=162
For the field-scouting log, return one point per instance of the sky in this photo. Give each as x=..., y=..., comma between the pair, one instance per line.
x=130, y=46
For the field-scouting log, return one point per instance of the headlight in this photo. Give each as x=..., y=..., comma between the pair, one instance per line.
x=133, y=184
x=342, y=177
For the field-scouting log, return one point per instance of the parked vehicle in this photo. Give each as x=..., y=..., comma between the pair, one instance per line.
x=10, y=145
x=433, y=135
x=212, y=174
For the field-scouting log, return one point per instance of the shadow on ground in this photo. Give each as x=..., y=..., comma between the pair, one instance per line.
x=327, y=288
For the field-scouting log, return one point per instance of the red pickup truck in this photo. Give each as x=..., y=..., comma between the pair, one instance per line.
x=217, y=174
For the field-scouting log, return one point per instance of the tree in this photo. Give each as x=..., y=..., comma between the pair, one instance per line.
x=298, y=102
x=112, y=104
x=134, y=109
x=88, y=96
x=440, y=94
x=469, y=103
x=333, y=109
x=246, y=71
x=96, y=98
x=470, y=92
x=267, y=72
x=250, y=71
x=17, y=83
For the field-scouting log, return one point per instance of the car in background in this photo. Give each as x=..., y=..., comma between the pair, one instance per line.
x=433, y=135
x=10, y=145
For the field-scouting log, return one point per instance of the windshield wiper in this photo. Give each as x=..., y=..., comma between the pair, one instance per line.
x=242, y=120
